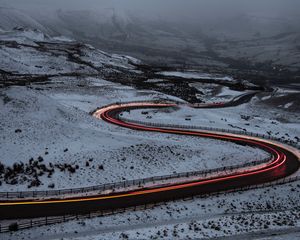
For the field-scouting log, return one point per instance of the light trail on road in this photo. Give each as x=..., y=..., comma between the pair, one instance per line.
x=285, y=161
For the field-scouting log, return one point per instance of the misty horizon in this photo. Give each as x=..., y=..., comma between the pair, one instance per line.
x=173, y=9
x=149, y=119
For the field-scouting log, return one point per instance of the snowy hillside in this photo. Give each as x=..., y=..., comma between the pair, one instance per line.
x=59, y=111
x=31, y=52
x=50, y=85
x=242, y=41
x=11, y=18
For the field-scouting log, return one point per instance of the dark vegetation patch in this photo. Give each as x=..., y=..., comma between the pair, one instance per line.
x=30, y=172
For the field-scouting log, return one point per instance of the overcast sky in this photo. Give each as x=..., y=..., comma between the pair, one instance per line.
x=170, y=8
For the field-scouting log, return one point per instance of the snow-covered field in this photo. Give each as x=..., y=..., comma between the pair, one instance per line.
x=52, y=122
x=49, y=125
x=249, y=117
x=196, y=75
x=55, y=124
x=253, y=214
x=211, y=92
x=24, y=51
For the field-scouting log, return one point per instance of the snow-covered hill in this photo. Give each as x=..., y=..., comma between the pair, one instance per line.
x=11, y=18
x=45, y=127
x=26, y=51
x=246, y=39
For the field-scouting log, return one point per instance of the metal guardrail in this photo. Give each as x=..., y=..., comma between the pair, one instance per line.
x=52, y=220
x=139, y=182
x=123, y=184
x=246, y=133
x=139, y=101
x=26, y=224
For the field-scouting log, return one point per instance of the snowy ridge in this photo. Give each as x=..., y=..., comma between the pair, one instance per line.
x=26, y=51
x=52, y=121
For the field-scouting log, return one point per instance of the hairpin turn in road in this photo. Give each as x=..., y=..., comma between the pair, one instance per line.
x=285, y=162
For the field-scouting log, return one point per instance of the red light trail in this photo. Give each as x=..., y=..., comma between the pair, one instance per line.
x=285, y=161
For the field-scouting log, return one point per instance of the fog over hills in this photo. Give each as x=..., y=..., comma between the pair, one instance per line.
x=149, y=119
x=207, y=33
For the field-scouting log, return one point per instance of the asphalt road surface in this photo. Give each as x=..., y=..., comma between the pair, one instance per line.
x=285, y=161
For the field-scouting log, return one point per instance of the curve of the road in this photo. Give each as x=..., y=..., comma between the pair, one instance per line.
x=285, y=162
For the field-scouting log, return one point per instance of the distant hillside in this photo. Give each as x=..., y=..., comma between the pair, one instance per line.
x=245, y=41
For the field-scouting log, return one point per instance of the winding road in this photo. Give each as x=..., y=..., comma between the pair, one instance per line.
x=285, y=162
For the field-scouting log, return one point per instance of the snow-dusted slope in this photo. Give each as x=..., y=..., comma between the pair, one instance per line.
x=244, y=39
x=49, y=125
x=11, y=18
x=26, y=51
